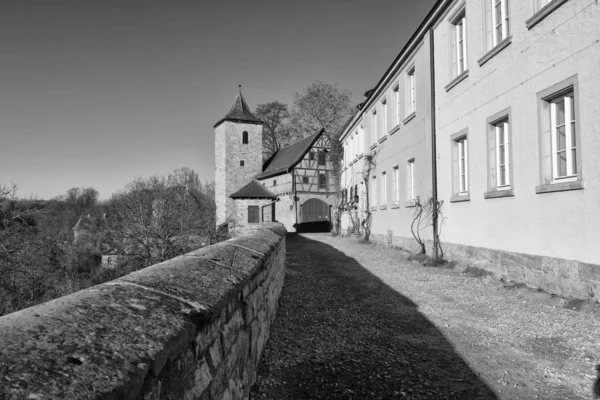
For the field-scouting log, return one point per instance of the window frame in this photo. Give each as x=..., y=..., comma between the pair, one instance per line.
x=383, y=189
x=546, y=137
x=496, y=125
x=384, y=106
x=458, y=18
x=411, y=189
x=541, y=12
x=396, y=184
x=460, y=150
x=396, y=96
x=494, y=44
x=373, y=193
x=374, y=126
x=321, y=157
x=323, y=184
x=411, y=93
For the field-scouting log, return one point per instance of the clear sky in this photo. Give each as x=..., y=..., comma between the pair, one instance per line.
x=97, y=92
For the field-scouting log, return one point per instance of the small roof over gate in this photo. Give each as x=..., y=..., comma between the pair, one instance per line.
x=253, y=190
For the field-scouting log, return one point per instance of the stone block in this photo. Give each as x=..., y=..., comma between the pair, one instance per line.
x=202, y=378
x=589, y=272
x=231, y=330
x=215, y=353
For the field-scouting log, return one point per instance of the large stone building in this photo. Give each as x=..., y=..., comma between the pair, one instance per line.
x=295, y=185
x=492, y=108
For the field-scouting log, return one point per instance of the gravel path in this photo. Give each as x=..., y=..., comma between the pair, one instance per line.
x=359, y=321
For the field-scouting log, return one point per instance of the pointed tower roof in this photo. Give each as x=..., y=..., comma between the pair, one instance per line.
x=239, y=112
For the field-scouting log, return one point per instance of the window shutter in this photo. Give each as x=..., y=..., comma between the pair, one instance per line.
x=455, y=171
x=253, y=216
x=487, y=6
x=492, y=184
x=453, y=51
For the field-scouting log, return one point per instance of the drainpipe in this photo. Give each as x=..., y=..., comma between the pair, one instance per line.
x=434, y=193
x=294, y=198
x=262, y=209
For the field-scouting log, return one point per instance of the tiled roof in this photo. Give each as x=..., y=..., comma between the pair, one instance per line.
x=253, y=190
x=239, y=112
x=287, y=157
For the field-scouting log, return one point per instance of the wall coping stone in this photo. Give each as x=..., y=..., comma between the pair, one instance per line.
x=102, y=342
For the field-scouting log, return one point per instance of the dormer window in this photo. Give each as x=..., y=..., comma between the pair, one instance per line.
x=245, y=137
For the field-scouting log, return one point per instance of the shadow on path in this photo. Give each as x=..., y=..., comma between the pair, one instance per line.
x=341, y=333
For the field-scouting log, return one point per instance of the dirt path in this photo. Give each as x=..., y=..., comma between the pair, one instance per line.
x=359, y=321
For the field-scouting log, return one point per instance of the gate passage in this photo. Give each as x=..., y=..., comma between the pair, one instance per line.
x=315, y=210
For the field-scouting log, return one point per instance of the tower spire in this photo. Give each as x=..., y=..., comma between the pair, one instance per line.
x=239, y=112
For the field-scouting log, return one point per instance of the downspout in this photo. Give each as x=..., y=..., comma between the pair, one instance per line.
x=294, y=198
x=434, y=193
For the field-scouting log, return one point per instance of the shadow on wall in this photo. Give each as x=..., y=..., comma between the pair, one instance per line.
x=342, y=333
x=314, y=226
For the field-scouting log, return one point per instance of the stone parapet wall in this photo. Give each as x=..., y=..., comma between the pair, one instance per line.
x=193, y=327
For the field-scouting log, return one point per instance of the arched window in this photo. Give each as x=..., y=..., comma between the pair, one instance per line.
x=245, y=137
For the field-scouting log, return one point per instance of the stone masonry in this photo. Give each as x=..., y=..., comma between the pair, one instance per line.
x=229, y=151
x=192, y=327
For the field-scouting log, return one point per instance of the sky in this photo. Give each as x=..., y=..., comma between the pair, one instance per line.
x=99, y=92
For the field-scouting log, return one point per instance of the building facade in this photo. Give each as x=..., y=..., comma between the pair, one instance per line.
x=295, y=185
x=515, y=132
x=301, y=176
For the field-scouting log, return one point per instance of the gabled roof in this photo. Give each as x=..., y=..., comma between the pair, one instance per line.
x=239, y=112
x=253, y=190
x=286, y=158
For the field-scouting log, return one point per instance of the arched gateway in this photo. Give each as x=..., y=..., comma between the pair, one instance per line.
x=315, y=210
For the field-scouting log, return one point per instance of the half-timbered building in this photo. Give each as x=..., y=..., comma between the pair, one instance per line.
x=300, y=175
x=293, y=186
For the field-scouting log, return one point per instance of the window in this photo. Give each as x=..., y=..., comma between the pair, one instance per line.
x=497, y=22
x=499, y=155
x=244, y=137
x=373, y=193
x=410, y=91
x=305, y=179
x=253, y=214
x=383, y=186
x=241, y=163
x=385, y=117
x=460, y=164
x=322, y=181
x=458, y=38
x=564, y=144
x=559, y=137
x=322, y=157
x=396, y=185
x=396, y=95
x=411, y=180
x=374, y=126
x=274, y=182
x=311, y=156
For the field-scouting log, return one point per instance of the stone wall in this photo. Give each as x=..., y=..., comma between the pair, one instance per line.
x=193, y=327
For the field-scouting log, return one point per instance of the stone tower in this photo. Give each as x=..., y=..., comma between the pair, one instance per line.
x=238, y=154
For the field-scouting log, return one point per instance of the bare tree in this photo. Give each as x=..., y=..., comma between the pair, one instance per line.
x=276, y=132
x=324, y=106
x=161, y=217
